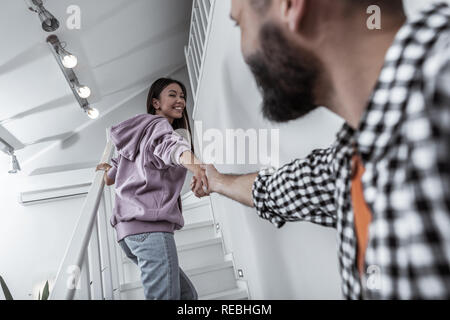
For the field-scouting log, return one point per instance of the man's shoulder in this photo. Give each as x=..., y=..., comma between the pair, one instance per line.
x=438, y=58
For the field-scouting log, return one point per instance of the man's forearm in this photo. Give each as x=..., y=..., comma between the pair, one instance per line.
x=236, y=187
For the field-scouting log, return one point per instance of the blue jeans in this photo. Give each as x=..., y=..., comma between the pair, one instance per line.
x=156, y=255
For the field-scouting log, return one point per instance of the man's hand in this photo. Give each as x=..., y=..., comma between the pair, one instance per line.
x=236, y=187
x=211, y=175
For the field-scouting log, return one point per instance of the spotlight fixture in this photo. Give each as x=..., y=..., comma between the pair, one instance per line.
x=92, y=113
x=9, y=150
x=15, y=166
x=68, y=60
x=49, y=22
x=6, y=147
x=81, y=92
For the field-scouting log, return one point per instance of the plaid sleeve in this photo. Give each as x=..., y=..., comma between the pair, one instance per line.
x=300, y=191
x=428, y=179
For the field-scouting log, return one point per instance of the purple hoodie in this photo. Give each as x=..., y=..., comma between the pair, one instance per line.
x=148, y=176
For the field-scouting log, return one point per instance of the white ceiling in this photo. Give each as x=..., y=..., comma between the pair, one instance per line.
x=122, y=46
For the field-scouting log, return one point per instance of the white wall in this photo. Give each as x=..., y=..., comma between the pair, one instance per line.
x=33, y=239
x=299, y=261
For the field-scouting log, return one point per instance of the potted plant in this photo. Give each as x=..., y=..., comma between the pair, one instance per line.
x=5, y=289
x=8, y=296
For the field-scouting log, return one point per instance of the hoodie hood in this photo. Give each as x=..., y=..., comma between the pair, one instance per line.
x=127, y=136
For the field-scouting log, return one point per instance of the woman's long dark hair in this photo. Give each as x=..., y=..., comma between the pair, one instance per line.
x=155, y=93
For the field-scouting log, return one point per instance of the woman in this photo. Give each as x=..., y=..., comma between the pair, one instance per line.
x=149, y=174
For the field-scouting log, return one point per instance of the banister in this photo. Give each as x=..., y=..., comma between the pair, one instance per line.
x=74, y=257
x=195, y=51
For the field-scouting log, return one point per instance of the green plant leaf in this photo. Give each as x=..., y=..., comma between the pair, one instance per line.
x=5, y=289
x=46, y=292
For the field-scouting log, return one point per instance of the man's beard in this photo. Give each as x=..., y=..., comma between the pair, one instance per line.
x=285, y=76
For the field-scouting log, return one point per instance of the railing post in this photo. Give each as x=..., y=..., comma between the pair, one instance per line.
x=85, y=293
x=105, y=252
x=116, y=262
x=95, y=265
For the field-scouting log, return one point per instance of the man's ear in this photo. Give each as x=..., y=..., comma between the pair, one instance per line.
x=292, y=13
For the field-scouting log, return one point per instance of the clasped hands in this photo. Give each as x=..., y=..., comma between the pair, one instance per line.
x=204, y=180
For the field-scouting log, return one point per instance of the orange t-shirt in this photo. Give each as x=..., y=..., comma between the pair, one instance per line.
x=362, y=214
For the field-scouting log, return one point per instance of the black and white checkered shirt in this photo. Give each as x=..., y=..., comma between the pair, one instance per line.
x=404, y=143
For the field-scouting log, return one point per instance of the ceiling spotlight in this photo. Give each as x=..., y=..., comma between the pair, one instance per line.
x=92, y=113
x=83, y=91
x=68, y=60
x=15, y=166
x=49, y=22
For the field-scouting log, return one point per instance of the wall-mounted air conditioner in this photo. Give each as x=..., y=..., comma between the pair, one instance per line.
x=53, y=194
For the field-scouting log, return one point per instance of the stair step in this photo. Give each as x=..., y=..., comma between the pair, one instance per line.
x=199, y=244
x=197, y=225
x=197, y=212
x=190, y=255
x=198, y=203
x=233, y=294
x=214, y=278
x=190, y=246
x=195, y=232
x=207, y=280
x=209, y=268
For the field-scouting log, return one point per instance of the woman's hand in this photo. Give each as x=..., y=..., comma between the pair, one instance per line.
x=199, y=183
x=103, y=167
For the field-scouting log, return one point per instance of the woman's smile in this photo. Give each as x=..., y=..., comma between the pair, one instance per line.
x=179, y=109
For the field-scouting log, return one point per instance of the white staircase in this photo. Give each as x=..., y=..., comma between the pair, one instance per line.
x=94, y=266
x=201, y=256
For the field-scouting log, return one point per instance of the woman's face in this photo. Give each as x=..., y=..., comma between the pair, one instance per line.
x=172, y=103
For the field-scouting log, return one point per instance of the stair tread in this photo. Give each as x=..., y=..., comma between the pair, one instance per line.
x=199, y=244
x=194, y=271
x=212, y=267
x=189, y=246
x=197, y=225
x=201, y=203
x=233, y=294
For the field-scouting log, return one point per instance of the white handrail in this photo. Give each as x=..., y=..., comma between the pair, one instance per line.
x=75, y=256
x=198, y=37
